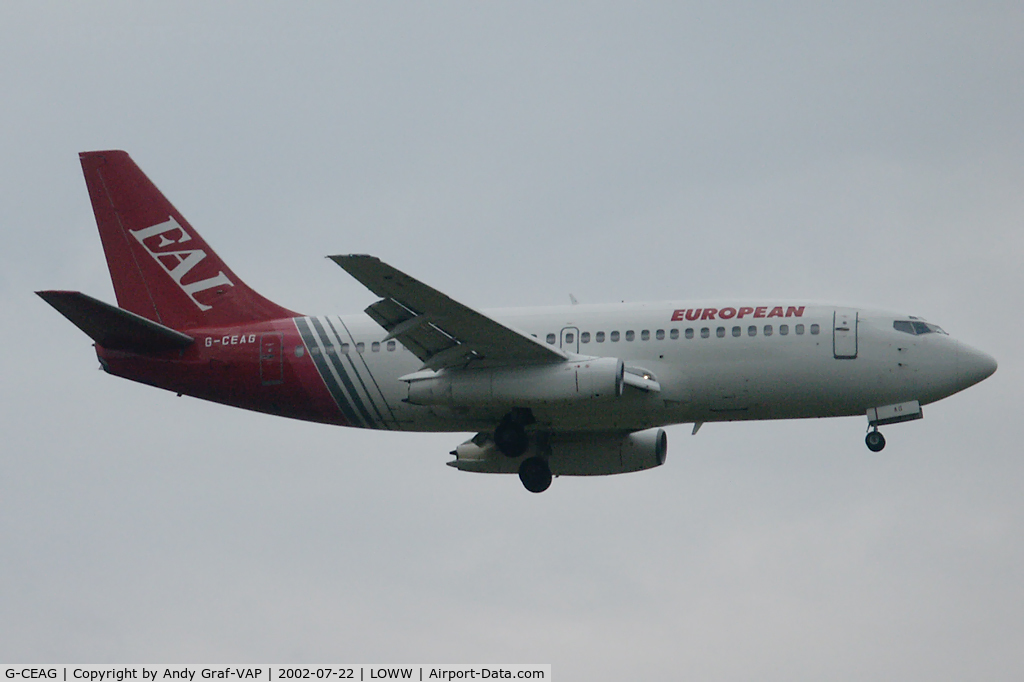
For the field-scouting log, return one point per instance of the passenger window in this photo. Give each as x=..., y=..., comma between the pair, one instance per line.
x=360, y=347
x=799, y=329
x=660, y=335
x=570, y=338
x=751, y=330
x=784, y=329
x=391, y=345
x=720, y=332
x=585, y=337
x=614, y=336
x=736, y=331
x=815, y=329
x=645, y=335
x=599, y=337
x=767, y=330
x=705, y=332
x=630, y=335
x=673, y=334
x=375, y=346
x=689, y=332
x=551, y=339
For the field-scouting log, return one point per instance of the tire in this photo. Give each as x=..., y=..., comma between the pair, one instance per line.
x=510, y=437
x=875, y=441
x=535, y=474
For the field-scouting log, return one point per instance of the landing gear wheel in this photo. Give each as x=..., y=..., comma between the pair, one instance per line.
x=875, y=441
x=511, y=438
x=535, y=474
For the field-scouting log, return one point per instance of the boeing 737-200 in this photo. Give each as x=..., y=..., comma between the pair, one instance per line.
x=573, y=390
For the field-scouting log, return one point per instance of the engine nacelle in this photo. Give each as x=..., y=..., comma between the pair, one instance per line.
x=570, y=456
x=563, y=382
x=636, y=452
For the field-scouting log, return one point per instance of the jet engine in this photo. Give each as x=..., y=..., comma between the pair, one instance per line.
x=523, y=386
x=569, y=454
x=636, y=452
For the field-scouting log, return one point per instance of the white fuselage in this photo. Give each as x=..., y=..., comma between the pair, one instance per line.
x=762, y=362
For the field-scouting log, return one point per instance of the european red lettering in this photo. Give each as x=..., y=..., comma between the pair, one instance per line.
x=692, y=314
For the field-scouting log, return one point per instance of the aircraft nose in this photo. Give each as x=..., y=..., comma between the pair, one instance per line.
x=973, y=365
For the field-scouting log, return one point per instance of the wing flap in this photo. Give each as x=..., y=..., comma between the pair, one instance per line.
x=413, y=331
x=439, y=330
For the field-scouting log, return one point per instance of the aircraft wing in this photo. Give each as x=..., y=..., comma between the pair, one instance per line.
x=437, y=329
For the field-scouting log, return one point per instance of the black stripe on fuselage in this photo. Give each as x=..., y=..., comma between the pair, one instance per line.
x=318, y=351
x=359, y=375
x=336, y=362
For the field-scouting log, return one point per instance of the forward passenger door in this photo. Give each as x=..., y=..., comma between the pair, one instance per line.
x=844, y=334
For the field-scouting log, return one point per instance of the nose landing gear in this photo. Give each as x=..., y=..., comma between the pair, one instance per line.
x=889, y=414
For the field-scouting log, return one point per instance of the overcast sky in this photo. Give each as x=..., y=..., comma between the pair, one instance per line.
x=511, y=154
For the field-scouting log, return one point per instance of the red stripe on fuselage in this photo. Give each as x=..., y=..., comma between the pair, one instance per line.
x=231, y=365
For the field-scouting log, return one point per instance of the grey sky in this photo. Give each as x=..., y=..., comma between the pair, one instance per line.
x=508, y=155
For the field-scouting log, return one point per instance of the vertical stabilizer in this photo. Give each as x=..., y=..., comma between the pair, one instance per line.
x=160, y=266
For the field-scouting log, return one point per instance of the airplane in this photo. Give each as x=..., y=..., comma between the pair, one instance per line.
x=572, y=390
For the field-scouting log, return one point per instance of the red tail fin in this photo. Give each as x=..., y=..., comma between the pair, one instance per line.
x=161, y=268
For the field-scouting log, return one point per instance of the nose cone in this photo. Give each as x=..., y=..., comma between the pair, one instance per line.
x=973, y=365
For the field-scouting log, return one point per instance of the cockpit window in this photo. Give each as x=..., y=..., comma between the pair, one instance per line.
x=916, y=327
x=905, y=326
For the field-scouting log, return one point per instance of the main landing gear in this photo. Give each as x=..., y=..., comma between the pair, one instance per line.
x=535, y=474
x=510, y=435
x=511, y=439
x=875, y=440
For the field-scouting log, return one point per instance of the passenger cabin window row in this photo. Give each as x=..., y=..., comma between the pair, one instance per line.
x=346, y=348
x=705, y=332
x=910, y=327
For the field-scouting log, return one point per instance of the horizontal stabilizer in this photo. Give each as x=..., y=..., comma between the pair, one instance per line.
x=113, y=327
